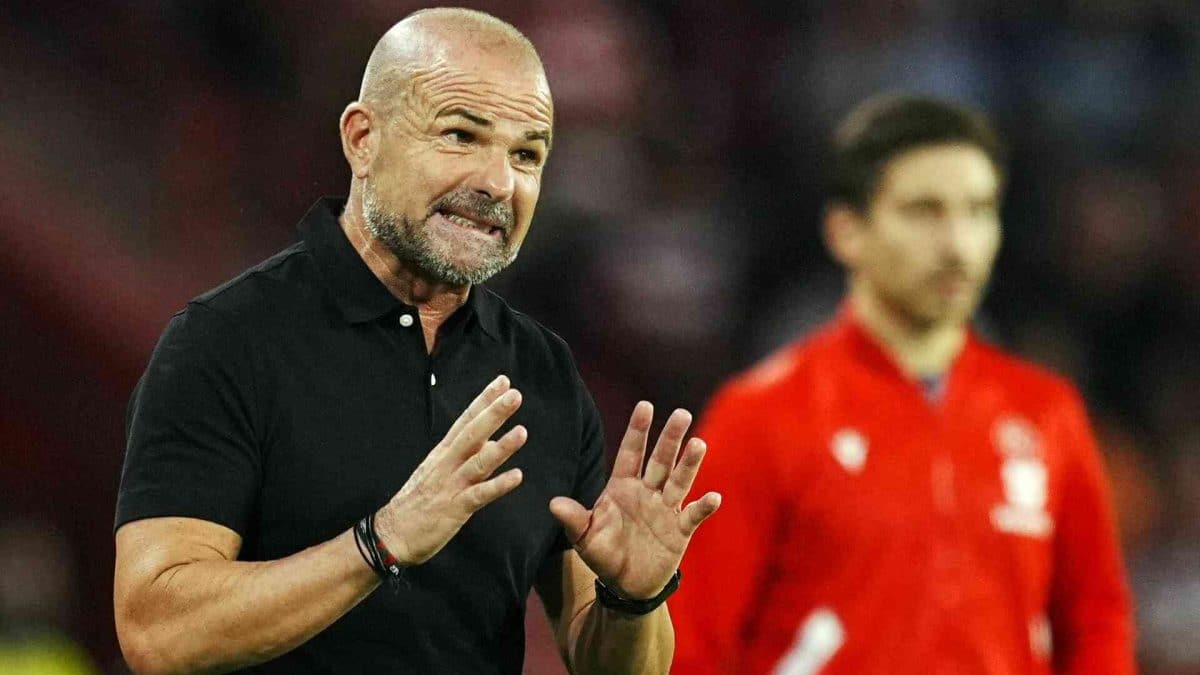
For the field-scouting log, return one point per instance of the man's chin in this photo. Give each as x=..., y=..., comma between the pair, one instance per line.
x=949, y=312
x=474, y=264
x=931, y=312
x=462, y=273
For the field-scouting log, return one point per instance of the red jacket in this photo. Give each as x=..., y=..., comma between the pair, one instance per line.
x=865, y=529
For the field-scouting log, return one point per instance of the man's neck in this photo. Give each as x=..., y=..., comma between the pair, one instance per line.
x=435, y=302
x=922, y=350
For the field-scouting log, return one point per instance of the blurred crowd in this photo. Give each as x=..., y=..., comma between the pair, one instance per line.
x=151, y=150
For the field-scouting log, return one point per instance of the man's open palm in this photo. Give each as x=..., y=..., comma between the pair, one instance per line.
x=635, y=536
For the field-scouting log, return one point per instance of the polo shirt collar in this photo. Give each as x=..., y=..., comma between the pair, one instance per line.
x=354, y=288
x=486, y=307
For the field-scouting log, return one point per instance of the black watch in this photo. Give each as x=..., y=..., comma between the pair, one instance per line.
x=610, y=599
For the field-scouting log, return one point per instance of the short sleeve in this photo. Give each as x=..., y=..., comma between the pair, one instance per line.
x=591, y=476
x=191, y=446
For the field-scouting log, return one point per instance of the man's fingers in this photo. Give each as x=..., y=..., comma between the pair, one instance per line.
x=699, y=511
x=572, y=515
x=478, y=430
x=493, y=454
x=481, y=494
x=662, y=460
x=490, y=393
x=684, y=473
x=628, y=463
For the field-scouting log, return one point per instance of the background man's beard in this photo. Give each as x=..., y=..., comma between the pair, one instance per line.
x=410, y=242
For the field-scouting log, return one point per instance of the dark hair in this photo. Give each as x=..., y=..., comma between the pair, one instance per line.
x=880, y=128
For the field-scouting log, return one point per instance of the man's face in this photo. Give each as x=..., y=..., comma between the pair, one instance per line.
x=458, y=172
x=929, y=237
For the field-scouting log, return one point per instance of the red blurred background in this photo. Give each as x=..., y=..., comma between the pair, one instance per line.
x=150, y=150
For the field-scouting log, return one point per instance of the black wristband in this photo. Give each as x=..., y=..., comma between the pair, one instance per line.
x=609, y=598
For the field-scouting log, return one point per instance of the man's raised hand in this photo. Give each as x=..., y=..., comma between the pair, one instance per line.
x=454, y=481
x=636, y=534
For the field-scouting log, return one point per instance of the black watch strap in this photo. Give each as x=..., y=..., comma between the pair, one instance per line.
x=610, y=599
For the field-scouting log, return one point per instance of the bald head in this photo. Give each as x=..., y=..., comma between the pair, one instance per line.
x=439, y=36
x=447, y=144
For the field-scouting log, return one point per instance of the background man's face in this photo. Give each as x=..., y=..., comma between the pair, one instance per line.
x=459, y=168
x=931, y=233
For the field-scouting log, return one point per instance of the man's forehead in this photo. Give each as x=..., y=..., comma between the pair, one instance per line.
x=940, y=168
x=441, y=53
x=488, y=94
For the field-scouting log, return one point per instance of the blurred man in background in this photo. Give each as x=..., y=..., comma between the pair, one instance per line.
x=341, y=380
x=905, y=498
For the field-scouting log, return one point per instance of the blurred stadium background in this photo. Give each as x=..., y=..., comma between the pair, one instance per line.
x=149, y=150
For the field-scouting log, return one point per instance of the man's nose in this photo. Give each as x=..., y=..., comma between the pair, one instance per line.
x=495, y=178
x=955, y=237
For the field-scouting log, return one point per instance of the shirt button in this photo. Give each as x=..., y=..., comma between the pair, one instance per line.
x=406, y=320
x=432, y=379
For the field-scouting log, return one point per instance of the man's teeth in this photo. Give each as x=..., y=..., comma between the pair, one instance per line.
x=465, y=222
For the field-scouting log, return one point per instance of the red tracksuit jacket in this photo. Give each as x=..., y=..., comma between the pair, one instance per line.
x=866, y=529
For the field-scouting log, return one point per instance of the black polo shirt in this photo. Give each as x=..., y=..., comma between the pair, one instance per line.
x=298, y=397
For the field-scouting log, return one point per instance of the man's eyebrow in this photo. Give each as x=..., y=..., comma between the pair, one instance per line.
x=474, y=117
x=541, y=135
x=468, y=115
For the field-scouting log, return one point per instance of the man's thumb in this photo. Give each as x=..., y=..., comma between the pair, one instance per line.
x=573, y=517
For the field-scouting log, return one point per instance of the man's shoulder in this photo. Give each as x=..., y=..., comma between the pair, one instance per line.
x=792, y=368
x=260, y=288
x=794, y=376
x=534, y=350
x=519, y=327
x=1022, y=376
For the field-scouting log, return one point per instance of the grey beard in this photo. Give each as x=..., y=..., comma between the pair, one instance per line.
x=409, y=242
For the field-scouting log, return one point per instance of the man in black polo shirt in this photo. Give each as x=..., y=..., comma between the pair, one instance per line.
x=326, y=420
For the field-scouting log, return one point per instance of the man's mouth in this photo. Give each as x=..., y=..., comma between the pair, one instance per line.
x=952, y=283
x=476, y=223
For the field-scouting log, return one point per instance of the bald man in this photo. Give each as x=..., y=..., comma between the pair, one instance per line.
x=354, y=458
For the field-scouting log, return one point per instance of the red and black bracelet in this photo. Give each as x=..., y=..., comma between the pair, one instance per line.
x=377, y=555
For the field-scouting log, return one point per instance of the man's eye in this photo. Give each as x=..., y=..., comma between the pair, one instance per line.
x=527, y=156
x=459, y=135
x=983, y=210
x=921, y=209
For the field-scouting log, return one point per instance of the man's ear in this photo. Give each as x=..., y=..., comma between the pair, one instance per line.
x=360, y=138
x=842, y=229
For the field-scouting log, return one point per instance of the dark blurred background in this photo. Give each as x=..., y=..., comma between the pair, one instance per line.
x=150, y=150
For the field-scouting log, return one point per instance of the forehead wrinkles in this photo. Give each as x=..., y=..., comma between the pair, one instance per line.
x=439, y=87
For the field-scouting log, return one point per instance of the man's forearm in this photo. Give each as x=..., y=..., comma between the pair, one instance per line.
x=217, y=615
x=605, y=641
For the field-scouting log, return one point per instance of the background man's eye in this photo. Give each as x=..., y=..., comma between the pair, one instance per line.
x=921, y=209
x=459, y=135
x=527, y=156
